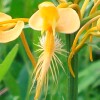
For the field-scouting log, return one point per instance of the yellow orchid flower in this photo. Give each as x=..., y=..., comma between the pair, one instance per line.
x=50, y=19
x=7, y=34
x=11, y=29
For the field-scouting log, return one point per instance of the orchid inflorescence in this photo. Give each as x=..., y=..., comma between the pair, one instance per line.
x=50, y=19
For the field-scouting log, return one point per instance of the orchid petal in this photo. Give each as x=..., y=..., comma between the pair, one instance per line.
x=4, y=17
x=7, y=26
x=36, y=22
x=12, y=34
x=68, y=21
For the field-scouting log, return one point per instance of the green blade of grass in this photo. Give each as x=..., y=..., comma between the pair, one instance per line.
x=4, y=67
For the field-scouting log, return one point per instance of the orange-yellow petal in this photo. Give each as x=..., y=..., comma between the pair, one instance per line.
x=4, y=17
x=36, y=22
x=12, y=34
x=44, y=18
x=68, y=22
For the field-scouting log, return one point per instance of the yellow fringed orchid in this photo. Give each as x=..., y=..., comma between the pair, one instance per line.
x=50, y=19
x=10, y=31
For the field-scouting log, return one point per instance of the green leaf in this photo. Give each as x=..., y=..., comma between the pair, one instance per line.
x=12, y=86
x=88, y=76
x=97, y=83
x=4, y=67
x=23, y=83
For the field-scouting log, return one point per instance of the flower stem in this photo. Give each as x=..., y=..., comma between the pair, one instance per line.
x=82, y=29
x=73, y=52
x=72, y=82
x=27, y=49
x=84, y=7
x=95, y=7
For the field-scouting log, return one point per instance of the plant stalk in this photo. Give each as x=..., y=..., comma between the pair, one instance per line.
x=72, y=82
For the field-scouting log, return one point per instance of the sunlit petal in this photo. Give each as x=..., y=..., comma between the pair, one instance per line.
x=12, y=34
x=68, y=22
x=36, y=22
x=4, y=17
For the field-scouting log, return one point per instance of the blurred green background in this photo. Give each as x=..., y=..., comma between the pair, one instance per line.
x=16, y=69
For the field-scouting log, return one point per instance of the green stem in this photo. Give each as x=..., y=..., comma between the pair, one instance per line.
x=72, y=82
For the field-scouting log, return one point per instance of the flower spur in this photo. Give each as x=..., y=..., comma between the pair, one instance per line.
x=93, y=30
x=50, y=19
